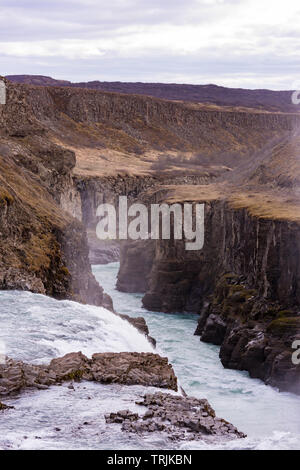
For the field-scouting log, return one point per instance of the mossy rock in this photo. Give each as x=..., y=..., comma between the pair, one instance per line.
x=65, y=271
x=75, y=376
x=284, y=325
x=285, y=314
x=239, y=293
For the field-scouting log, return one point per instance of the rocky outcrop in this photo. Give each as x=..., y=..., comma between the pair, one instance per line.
x=255, y=334
x=136, y=262
x=180, y=418
x=42, y=249
x=125, y=368
x=140, y=324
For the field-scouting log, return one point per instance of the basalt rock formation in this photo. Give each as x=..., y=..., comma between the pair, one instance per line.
x=244, y=283
x=255, y=334
x=180, y=418
x=218, y=95
x=125, y=368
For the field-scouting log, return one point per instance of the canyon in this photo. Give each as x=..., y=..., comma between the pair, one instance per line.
x=64, y=150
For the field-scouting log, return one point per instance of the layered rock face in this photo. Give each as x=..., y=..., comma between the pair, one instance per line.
x=265, y=252
x=263, y=99
x=43, y=248
x=245, y=285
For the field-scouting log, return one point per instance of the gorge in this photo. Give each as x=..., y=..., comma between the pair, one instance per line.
x=64, y=151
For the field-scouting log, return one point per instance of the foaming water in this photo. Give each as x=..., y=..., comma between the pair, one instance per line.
x=36, y=328
x=60, y=418
x=269, y=418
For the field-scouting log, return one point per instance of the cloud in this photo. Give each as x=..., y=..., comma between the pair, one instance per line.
x=232, y=42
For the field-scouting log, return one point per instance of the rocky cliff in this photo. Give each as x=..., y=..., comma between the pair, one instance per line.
x=244, y=284
x=43, y=248
x=218, y=95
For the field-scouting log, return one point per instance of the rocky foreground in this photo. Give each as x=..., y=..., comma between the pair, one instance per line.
x=179, y=417
x=125, y=368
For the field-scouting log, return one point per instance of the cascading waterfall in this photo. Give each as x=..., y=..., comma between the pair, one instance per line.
x=48, y=328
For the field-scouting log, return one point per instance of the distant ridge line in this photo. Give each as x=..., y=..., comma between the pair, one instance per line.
x=268, y=100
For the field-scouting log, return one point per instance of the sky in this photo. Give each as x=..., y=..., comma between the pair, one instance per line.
x=236, y=43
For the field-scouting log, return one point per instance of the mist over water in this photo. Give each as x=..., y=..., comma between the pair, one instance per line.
x=36, y=328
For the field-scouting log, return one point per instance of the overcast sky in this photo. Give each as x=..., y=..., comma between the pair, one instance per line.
x=239, y=43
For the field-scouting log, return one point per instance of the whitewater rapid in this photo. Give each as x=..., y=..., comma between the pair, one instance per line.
x=36, y=328
x=47, y=328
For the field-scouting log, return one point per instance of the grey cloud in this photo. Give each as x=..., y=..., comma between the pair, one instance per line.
x=227, y=69
x=267, y=62
x=68, y=18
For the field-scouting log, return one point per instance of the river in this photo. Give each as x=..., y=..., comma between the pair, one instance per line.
x=37, y=328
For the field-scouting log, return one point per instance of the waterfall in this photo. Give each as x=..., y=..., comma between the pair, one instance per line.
x=36, y=328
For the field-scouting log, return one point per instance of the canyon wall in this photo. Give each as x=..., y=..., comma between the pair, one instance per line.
x=43, y=248
x=244, y=284
x=218, y=95
x=265, y=252
x=136, y=123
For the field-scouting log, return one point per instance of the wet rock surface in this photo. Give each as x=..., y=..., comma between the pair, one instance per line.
x=181, y=418
x=124, y=368
x=140, y=324
x=255, y=334
x=5, y=407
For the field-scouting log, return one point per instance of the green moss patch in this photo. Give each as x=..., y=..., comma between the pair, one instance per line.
x=284, y=325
